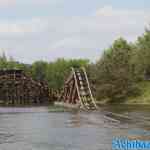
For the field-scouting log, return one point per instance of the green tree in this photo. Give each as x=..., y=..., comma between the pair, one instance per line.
x=114, y=77
x=38, y=70
x=141, y=57
x=59, y=70
x=3, y=61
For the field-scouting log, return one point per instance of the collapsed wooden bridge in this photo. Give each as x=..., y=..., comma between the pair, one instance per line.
x=18, y=88
x=77, y=90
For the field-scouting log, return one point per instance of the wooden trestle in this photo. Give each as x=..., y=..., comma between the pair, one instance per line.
x=77, y=90
x=18, y=88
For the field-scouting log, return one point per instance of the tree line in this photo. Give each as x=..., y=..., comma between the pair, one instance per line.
x=113, y=77
x=54, y=73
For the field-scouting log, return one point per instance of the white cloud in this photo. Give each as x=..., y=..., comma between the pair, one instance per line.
x=17, y=4
x=105, y=11
x=109, y=11
x=21, y=27
x=6, y=3
x=13, y=28
x=84, y=36
x=40, y=2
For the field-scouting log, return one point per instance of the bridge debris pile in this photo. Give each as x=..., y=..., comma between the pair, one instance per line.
x=18, y=88
x=77, y=90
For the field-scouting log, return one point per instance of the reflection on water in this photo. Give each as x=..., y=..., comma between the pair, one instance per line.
x=40, y=130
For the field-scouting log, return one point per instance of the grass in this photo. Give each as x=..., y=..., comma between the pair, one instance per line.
x=144, y=97
x=56, y=108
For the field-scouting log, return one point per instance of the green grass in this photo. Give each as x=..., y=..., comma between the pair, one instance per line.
x=143, y=97
x=55, y=108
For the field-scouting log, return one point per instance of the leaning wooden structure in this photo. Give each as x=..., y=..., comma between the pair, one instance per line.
x=18, y=88
x=77, y=90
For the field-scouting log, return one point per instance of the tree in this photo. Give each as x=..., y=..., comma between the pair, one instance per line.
x=38, y=70
x=3, y=61
x=59, y=70
x=114, y=77
x=141, y=57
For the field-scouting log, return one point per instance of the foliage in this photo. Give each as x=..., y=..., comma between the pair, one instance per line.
x=52, y=72
x=141, y=57
x=120, y=67
x=38, y=70
x=114, y=77
x=59, y=70
x=143, y=97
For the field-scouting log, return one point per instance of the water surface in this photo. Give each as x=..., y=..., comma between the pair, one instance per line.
x=36, y=128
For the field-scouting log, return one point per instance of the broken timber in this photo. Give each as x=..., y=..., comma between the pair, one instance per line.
x=77, y=90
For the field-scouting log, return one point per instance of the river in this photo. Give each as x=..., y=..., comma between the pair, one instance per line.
x=36, y=128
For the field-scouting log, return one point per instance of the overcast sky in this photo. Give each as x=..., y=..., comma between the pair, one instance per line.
x=49, y=29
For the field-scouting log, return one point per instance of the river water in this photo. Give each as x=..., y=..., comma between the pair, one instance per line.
x=36, y=128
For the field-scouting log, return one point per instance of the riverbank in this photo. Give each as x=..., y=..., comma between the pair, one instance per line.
x=143, y=97
x=61, y=108
x=57, y=108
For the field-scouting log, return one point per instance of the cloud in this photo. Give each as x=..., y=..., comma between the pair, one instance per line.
x=21, y=27
x=6, y=3
x=109, y=11
x=70, y=37
x=105, y=11
x=6, y=28
x=17, y=4
x=40, y=2
x=126, y=22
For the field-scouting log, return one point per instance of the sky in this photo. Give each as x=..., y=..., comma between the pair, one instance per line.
x=33, y=30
